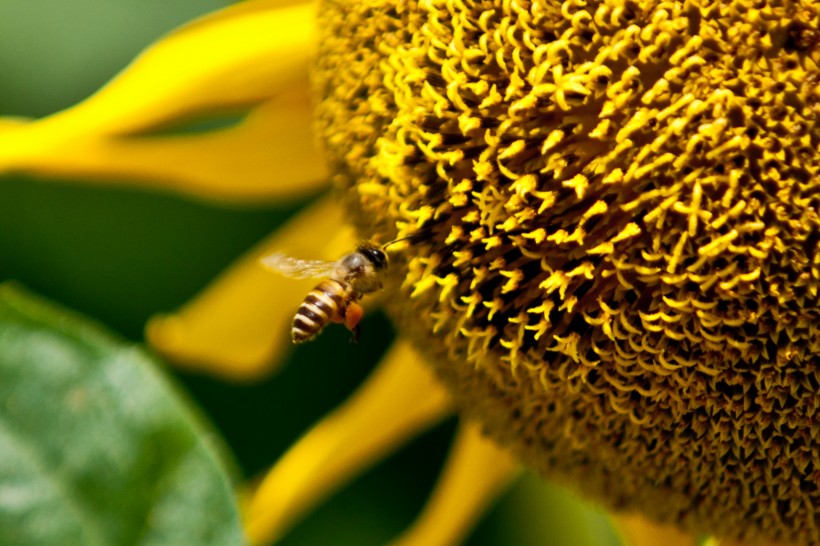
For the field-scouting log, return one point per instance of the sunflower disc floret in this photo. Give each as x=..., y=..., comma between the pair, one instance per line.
x=620, y=262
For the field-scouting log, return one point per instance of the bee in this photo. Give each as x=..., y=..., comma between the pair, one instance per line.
x=336, y=297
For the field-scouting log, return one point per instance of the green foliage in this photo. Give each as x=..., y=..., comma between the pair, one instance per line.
x=97, y=448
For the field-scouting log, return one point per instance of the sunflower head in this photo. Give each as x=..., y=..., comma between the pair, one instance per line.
x=620, y=261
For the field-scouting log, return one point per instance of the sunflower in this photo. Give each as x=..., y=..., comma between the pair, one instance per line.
x=617, y=212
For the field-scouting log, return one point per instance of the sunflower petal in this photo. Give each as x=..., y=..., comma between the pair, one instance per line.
x=636, y=530
x=400, y=399
x=240, y=55
x=476, y=471
x=252, y=54
x=239, y=326
x=269, y=155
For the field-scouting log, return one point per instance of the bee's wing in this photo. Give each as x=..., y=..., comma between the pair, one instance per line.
x=296, y=268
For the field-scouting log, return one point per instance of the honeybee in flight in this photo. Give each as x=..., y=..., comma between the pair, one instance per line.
x=336, y=297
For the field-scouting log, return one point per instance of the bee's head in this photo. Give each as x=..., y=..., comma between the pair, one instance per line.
x=374, y=254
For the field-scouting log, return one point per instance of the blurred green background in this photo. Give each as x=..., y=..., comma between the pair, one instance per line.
x=121, y=255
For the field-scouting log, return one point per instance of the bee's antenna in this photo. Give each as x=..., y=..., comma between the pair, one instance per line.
x=415, y=235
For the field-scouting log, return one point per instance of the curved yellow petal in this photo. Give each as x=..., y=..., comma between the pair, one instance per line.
x=240, y=325
x=251, y=54
x=240, y=55
x=636, y=530
x=268, y=156
x=399, y=400
x=475, y=473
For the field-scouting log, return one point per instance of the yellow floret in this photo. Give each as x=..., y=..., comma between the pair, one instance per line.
x=637, y=188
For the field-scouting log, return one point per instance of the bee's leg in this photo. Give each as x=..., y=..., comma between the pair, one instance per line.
x=352, y=316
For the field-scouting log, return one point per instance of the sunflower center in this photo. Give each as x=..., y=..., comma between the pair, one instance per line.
x=620, y=257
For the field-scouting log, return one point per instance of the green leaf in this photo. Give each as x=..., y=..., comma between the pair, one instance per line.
x=96, y=448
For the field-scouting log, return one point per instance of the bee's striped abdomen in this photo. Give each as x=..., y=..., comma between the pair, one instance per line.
x=322, y=304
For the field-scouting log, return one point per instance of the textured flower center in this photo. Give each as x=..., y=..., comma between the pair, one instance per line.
x=620, y=262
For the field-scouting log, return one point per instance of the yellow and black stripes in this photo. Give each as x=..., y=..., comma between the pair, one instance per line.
x=326, y=302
